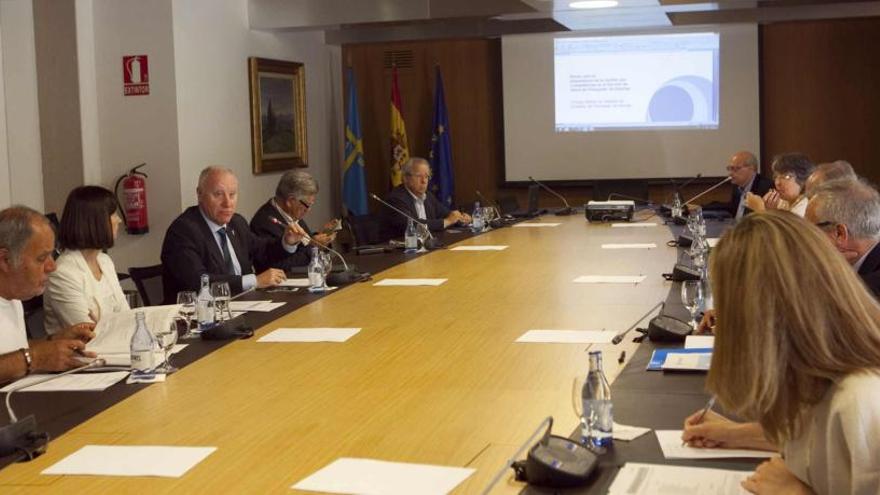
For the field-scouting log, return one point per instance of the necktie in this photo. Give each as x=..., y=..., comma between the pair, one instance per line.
x=227, y=258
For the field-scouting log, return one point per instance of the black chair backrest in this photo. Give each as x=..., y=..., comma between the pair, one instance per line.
x=508, y=204
x=365, y=229
x=534, y=191
x=148, y=280
x=33, y=318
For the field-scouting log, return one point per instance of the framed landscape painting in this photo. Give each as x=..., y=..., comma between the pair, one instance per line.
x=278, y=115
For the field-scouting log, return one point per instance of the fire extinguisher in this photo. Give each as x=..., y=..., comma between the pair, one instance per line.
x=134, y=200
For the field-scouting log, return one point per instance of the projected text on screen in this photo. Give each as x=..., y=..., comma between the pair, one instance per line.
x=667, y=81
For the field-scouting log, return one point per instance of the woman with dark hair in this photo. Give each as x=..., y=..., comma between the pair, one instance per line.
x=790, y=173
x=85, y=284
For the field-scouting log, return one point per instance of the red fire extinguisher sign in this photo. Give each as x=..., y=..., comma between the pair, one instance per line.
x=135, y=75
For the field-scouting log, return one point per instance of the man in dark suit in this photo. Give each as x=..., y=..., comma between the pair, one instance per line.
x=848, y=211
x=295, y=196
x=743, y=171
x=211, y=238
x=413, y=198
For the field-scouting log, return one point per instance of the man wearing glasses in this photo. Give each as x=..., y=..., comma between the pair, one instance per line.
x=413, y=197
x=848, y=211
x=743, y=171
x=295, y=196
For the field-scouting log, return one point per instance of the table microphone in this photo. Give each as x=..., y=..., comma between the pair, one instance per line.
x=500, y=220
x=430, y=242
x=619, y=337
x=562, y=211
x=719, y=184
x=347, y=276
x=22, y=436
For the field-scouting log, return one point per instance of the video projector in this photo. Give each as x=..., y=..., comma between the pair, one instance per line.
x=609, y=211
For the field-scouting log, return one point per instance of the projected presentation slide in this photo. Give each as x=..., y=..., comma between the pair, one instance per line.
x=636, y=82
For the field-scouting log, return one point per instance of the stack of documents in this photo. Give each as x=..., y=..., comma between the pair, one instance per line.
x=258, y=306
x=113, y=332
x=648, y=479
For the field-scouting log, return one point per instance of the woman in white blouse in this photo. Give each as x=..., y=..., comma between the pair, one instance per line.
x=790, y=173
x=85, y=285
x=797, y=351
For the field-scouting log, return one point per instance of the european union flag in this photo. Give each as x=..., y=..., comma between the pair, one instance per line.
x=442, y=181
x=354, y=183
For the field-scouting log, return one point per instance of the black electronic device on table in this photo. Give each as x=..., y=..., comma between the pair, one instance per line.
x=610, y=211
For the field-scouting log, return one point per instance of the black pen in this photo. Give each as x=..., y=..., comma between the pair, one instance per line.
x=622, y=357
x=703, y=414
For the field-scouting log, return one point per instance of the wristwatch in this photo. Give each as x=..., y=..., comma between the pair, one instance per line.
x=27, y=360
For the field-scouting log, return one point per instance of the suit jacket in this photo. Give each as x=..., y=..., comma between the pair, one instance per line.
x=870, y=270
x=263, y=226
x=760, y=186
x=190, y=249
x=399, y=197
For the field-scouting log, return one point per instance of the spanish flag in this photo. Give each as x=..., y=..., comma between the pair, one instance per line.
x=399, y=146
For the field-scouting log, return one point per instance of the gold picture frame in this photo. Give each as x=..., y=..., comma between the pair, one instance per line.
x=278, y=115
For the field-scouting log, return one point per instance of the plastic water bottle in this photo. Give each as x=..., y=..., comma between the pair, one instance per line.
x=205, y=304
x=142, y=346
x=677, y=208
x=596, y=395
x=477, y=218
x=411, y=238
x=315, y=270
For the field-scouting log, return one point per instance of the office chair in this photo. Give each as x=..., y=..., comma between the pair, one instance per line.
x=148, y=280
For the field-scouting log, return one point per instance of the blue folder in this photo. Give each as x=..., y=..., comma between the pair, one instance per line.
x=659, y=356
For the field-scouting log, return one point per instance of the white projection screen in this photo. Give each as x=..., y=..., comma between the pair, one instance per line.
x=608, y=121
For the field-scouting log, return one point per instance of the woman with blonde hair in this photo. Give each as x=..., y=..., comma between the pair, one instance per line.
x=797, y=349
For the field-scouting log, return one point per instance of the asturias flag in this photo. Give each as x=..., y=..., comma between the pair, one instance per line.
x=399, y=146
x=354, y=183
x=442, y=181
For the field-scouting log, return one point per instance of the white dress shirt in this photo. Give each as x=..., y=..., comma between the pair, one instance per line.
x=420, y=205
x=13, y=335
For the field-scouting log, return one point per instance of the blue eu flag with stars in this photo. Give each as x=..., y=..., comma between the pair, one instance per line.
x=442, y=181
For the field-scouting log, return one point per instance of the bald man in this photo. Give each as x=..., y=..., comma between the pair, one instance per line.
x=212, y=238
x=743, y=171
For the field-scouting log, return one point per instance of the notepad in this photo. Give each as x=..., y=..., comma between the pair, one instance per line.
x=636, y=478
x=479, y=248
x=409, y=282
x=82, y=382
x=670, y=443
x=649, y=245
x=310, y=335
x=118, y=460
x=610, y=279
x=373, y=477
x=659, y=356
x=534, y=224
x=625, y=225
x=567, y=337
x=698, y=361
x=699, y=342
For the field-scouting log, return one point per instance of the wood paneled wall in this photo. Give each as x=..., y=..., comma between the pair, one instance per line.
x=820, y=94
x=820, y=91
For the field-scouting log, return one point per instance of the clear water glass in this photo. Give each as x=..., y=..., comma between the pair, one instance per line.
x=187, y=301
x=692, y=298
x=326, y=265
x=166, y=336
x=220, y=292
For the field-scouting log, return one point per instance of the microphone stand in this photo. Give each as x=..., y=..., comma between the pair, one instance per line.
x=563, y=211
x=430, y=242
x=501, y=220
x=619, y=337
x=22, y=435
x=719, y=184
x=348, y=275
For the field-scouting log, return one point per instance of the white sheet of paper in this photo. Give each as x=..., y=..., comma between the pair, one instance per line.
x=567, y=336
x=649, y=245
x=295, y=282
x=409, y=282
x=610, y=279
x=373, y=477
x=649, y=479
x=670, y=443
x=479, y=248
x=310, y=335
x=625, y=225
x=257, y=306
x=699, y=361
x=119, y=460
x=627, y=433
x=699, y=342
x=82, y=382
x=114, y=330
x=535, y=224
x=713, y=241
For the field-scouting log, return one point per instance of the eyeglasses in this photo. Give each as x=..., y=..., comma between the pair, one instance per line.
x=421, y=176
x=305, y=205
x=824, y=224
x=732, y=168
x=783, y=176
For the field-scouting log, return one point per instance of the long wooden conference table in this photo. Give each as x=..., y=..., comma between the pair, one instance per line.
x=434, y=376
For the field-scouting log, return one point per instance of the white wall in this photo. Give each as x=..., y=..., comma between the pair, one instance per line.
x=21, y=173
x=212, y=42
x=131, y=129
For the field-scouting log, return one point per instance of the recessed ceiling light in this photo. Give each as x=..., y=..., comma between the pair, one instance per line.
x=593, y=4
